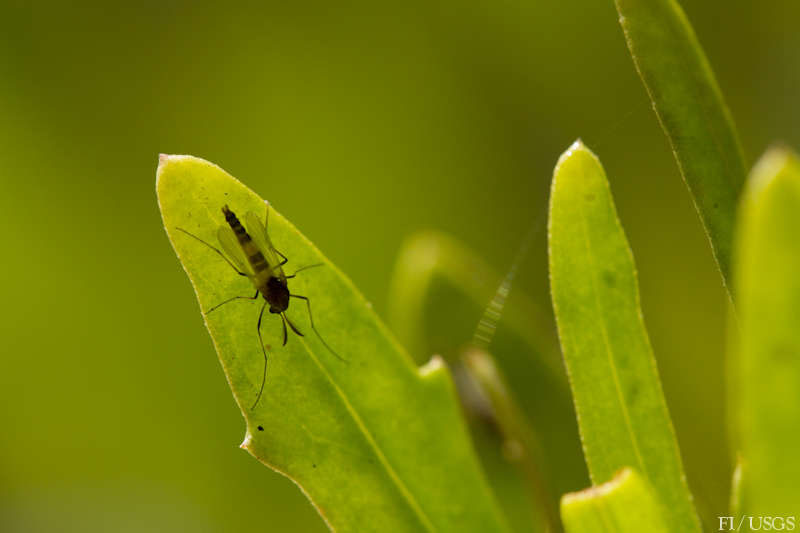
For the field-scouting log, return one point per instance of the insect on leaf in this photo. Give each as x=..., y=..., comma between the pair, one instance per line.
x=258, y=232
x=376, y=443
x=231, y=247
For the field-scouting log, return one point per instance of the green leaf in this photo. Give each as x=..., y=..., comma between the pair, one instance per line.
x=692, y=112
x=622, y=414
x=626, y=504
x=768, y=289
x=375, y=443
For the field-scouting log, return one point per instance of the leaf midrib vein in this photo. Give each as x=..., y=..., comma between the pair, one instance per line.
x=404, y=491
x=602, y=323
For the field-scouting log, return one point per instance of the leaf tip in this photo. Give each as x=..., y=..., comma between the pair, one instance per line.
x=167, y=159
x=576, y=146
x=770, y=166
x=177, y=169
x=163, y=162
x=598, y=490
x=432, y=367
x=577, y=163
x=577, y=150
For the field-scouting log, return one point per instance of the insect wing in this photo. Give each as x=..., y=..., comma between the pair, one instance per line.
x=229, y=242
x=258, y=232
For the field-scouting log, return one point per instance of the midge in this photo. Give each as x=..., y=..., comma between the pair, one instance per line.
x=252, y=254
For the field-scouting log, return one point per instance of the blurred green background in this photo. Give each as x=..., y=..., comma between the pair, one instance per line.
x=361, y=123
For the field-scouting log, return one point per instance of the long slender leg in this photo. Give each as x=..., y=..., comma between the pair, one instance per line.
x=285, y=259
x=303, y=268
x=232, y=299
x=215, y=249
x=285, y=334
x=311, y=319
x=291, y=325
x=264, y=351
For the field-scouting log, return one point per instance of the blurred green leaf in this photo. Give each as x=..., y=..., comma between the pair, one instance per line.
x=622, y=414
x=521, y=441
x=735, y=500
x=438, y=292
x=768, y=289
x=626, y=504
x=431, y=256
x=692, y=112
x=375, y=443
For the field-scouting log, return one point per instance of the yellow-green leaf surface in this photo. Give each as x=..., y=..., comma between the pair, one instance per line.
x=622, y=414
x=768, y=288
x=375, y=443
x=626, y=504
x=692, y=112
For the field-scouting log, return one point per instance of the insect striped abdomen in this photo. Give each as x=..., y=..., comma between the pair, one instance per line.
x=254, y=256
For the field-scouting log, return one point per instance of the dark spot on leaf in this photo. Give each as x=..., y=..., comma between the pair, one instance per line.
x=261, y=428
x=313, y=465
x=716, y=205
x=609, y=278
x=633, y=393
x=589, y=196
x=782, y=353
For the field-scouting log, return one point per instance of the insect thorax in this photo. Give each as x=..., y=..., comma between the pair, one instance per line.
x=276, y=293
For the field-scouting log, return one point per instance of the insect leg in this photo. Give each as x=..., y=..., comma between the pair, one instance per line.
x=303, y=268
x=294, y=328
x=264, y=351
x=232, y=299
x=285, y=259
x=215, y=249
x=311, y=319
x=285, y=335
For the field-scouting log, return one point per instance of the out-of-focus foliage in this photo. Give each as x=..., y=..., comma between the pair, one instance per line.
x=363, y=123
x=768, y=295
x=692, y=111
x=524, y=429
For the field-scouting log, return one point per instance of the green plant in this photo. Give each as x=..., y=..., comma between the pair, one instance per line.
x=349, y=433
x=379, y=445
